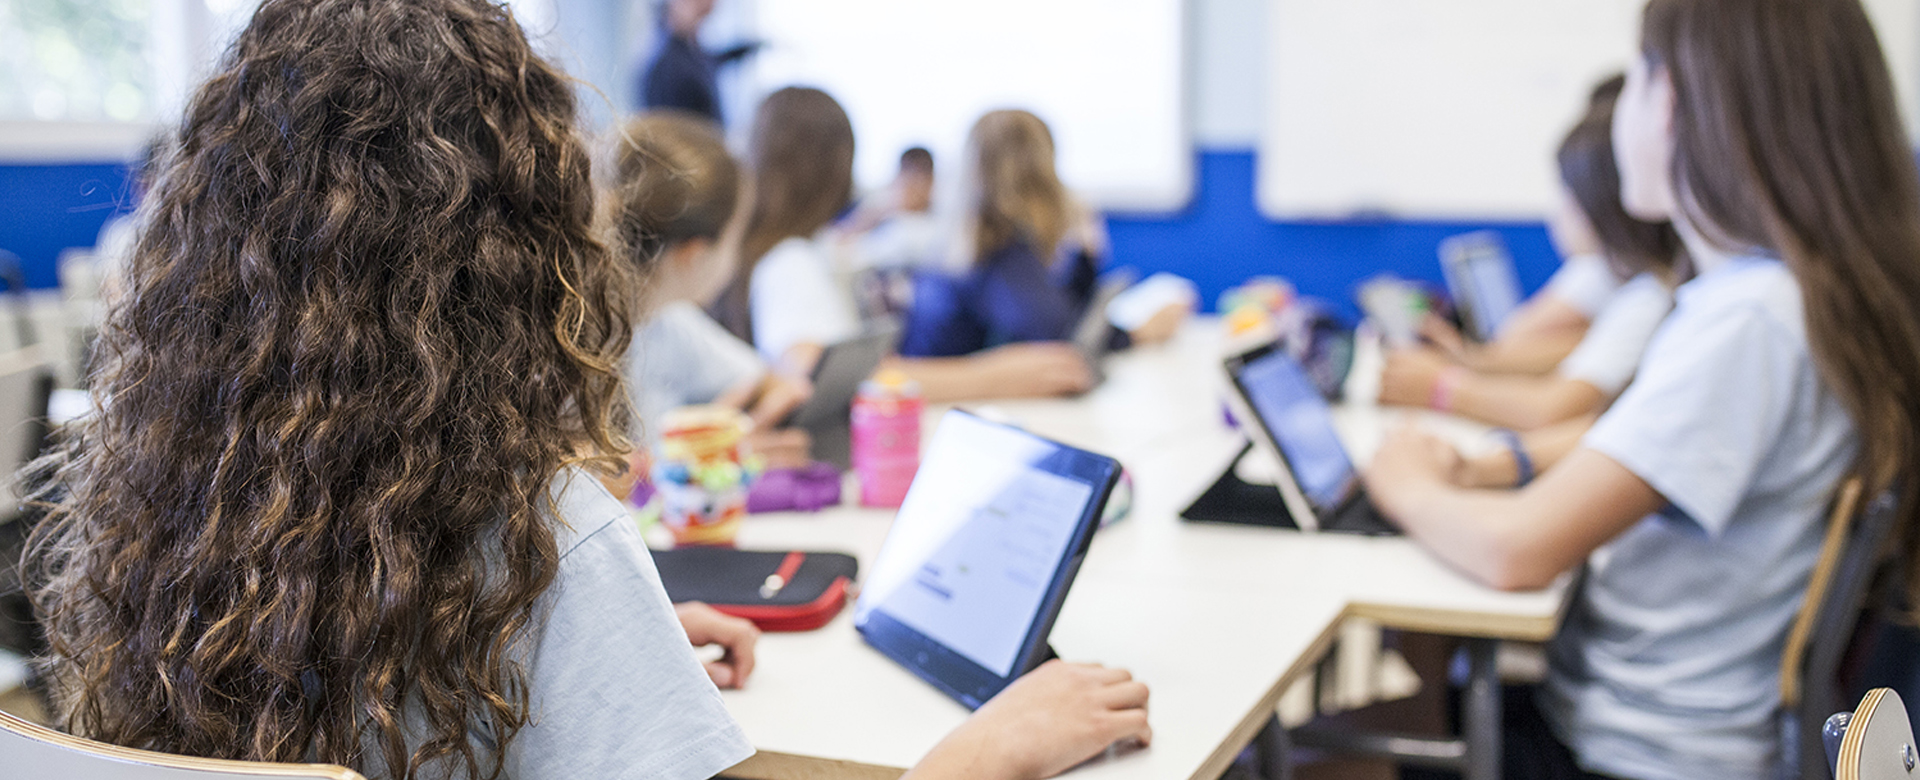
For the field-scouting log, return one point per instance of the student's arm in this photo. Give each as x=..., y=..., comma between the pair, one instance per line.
x=1512, y=540
x=1031, y=370
x=1544, y=447
x=1423, y=378
x=768, y=398
x=1045, y=723
x=1546, y=314
x=1535, y=349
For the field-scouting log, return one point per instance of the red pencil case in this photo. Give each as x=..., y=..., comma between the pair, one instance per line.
x=778, y=591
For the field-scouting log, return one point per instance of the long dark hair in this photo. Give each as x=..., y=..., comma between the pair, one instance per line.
x=1786, y=139
x=367, y=324
x=1588, y=168
x=801, y=156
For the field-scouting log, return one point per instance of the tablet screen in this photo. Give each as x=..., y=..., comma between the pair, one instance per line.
x=1300, y=422
x=1491, y=275
x=978, y=559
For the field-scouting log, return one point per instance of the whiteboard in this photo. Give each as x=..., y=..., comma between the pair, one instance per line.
x=1106, y=75
x=1452, y=109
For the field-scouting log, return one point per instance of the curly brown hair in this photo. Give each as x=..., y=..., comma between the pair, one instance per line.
x=368, y=322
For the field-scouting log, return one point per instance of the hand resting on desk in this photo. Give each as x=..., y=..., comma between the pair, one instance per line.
x=1045, y=723
x=735, y=637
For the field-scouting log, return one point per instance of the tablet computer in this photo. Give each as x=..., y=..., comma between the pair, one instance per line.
x=979, y=560
x=1093, y=336
x=1481, y=279
x=827, y=416
x=1286, y=417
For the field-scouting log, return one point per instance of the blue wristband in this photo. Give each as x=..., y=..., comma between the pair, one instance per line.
x=1522, y=465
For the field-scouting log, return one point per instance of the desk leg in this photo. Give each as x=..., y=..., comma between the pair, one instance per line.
x=1482, y=711
x=1272, y=751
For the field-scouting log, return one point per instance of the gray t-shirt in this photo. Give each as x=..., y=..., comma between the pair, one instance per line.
x=1668, y=667
x=680, y=357
x=614, y=688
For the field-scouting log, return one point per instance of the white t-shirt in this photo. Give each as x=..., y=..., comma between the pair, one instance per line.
x=613, y=686
x=1585, y=283
x=904, y=240
x=797, y=299
x=682, y=357
x=1668, y=666
x=1609, y=354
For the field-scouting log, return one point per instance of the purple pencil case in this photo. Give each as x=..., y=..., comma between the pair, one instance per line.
x=807, y=489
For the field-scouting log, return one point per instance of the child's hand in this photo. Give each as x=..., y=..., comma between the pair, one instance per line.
x=1036, y=370
x=1045, y=723
x=1408, y=463
x=1162, y=325
x=1444, y=337
x=768, y=399
x=706, y=626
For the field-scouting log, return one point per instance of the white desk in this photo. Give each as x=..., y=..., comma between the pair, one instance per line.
x=1217, y=619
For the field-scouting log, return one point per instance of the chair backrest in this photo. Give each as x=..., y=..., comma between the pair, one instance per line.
x=32, y=752
x=1853, y=551
x=26, y=381
x=1878, y=744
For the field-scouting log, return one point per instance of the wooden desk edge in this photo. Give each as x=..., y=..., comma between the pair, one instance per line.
x=1478, y=625
x=1250, y=726
x=768, y=765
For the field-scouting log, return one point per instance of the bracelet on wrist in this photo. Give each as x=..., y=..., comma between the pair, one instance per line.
x=1522, y=463
x=1446, y=388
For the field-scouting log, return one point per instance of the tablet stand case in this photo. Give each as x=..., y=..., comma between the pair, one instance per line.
x=778, y=591
x=1231, y=499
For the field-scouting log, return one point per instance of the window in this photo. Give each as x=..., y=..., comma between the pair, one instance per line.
x=75, y=60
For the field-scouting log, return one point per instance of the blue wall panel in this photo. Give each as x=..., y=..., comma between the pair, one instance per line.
x=47, y=208
x=1221, y=239
x=1217, y=241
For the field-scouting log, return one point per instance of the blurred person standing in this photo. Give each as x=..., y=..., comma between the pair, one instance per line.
x=682, y=75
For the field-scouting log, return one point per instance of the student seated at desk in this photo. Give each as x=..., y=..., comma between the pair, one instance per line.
x=673, y=208
x=1768, y=132
x=786, y=297
x=334, y=503
x=1549, y=325
x=1030, y=253
x=890, y=236
x=1647, y=254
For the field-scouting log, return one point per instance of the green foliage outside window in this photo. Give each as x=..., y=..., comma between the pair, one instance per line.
x=75, y=60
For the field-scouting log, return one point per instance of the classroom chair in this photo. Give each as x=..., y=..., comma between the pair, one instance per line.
x=26, y=384
x=1875, y=741
x=31, y=752
x=1850, y=557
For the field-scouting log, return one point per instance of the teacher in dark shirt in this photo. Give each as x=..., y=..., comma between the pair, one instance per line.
x=681, y=74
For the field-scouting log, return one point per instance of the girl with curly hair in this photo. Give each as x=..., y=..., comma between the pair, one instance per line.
x=335, y=500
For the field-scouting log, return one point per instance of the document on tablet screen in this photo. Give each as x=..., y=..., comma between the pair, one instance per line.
x=977, y=542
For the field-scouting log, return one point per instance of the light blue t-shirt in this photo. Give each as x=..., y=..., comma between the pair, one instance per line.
x=680, y=356
x=614, y=688
x=1668, y=666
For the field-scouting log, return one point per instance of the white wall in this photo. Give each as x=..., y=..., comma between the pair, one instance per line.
x=1226, y=71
